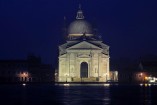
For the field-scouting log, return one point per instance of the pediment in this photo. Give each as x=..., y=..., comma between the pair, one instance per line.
x=84, y=45
x=62, y=56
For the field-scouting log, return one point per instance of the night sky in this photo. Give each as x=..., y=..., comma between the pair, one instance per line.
x=129, y=27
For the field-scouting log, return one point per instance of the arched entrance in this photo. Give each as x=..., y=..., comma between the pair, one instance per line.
x=84, y=70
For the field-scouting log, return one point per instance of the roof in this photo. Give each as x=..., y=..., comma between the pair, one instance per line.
x=79, y=27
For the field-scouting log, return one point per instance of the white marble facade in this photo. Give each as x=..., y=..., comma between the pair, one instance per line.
x=83, y=58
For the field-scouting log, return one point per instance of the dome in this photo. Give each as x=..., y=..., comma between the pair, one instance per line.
x=80, y=27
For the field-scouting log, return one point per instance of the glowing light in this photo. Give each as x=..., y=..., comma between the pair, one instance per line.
x=149, y=84
x=106, y=84
x=24, y=74
x=24, y=84
x=66, y=84
x=141, y=74
x=152, y=79
x=146, y=85
x=141, y=84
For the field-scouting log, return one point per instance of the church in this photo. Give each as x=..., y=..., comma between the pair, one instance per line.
x=84, y=57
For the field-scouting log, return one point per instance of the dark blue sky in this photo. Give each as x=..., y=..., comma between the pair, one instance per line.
x=129, y=27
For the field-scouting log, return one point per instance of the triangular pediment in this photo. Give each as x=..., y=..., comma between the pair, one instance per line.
x=84, y=45
x=63, y=55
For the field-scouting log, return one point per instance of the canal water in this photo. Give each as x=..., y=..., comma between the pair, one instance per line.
x=49, y=94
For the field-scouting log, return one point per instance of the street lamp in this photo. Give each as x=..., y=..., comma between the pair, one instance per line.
x=24, y=74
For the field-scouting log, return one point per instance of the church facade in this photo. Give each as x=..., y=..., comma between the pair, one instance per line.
x=84, y=57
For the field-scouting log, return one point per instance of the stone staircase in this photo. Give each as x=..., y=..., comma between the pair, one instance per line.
x=91, y=79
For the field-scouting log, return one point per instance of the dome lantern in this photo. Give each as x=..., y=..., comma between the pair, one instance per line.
x=80, y=13
x=80, y=26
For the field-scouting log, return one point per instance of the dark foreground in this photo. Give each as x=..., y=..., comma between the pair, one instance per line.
x=49, y=94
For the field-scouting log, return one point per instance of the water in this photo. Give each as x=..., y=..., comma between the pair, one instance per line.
x=48, y=94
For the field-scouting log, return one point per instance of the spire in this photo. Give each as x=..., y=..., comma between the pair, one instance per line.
x=79, y=13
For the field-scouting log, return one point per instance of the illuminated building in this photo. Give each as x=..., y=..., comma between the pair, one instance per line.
x=147, y=72
x=84, y=57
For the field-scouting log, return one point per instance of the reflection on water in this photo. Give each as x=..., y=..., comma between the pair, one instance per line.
x=145, y=96
x=48, y=94
x=85, y=95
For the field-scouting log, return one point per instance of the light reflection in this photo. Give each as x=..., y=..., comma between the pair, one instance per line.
x=141, y=84
x=146, y=95
x=66, y=84
x=146, y=84
x=106, y=84
x=93, y=85
x=78, y=94
x=24, y=84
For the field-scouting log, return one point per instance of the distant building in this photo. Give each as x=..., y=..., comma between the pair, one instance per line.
x=144, y=72
x=147, y=72
x=113, y=76
x=29, y=70
x=84, y=57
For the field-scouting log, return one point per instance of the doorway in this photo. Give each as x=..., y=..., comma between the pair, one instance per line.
x=84, y=70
